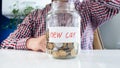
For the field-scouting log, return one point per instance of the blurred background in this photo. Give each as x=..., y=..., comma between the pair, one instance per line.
x=3, y=20
x=12, y=12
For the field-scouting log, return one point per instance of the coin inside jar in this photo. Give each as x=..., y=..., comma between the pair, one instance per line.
x=65, y=46
x=55, y=54
x=70, y=46
x=62, y=53
x=50, y=46
x=73, y=52
x=47, y=35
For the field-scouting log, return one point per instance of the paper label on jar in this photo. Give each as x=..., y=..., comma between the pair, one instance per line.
x=64, y=34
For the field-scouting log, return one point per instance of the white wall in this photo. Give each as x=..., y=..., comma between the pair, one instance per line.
x=110, y=33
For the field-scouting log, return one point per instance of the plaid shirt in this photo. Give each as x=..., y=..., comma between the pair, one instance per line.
x=93, y=14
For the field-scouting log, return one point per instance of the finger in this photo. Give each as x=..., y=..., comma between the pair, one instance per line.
x=43, y=47
x=43, y=41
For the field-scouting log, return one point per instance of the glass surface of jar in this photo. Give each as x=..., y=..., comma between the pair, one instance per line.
x=63, y=30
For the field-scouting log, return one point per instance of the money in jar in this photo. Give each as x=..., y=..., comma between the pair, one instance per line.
x=63, y=30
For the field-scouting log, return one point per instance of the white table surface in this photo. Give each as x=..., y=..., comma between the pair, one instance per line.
x=85, y=59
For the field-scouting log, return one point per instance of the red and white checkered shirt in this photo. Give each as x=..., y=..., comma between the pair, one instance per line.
x=93, y=14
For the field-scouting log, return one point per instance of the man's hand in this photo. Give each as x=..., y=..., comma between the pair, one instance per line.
x=37, y=44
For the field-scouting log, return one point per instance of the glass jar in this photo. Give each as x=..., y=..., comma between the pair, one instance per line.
x=63, y=30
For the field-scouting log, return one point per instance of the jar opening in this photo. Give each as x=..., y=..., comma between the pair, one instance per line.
x=58, y=5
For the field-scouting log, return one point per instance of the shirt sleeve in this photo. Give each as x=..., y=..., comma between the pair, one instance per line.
x=17, y=39
x=103, y=10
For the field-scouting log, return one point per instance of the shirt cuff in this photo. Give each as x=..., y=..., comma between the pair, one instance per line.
x=21, y=44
